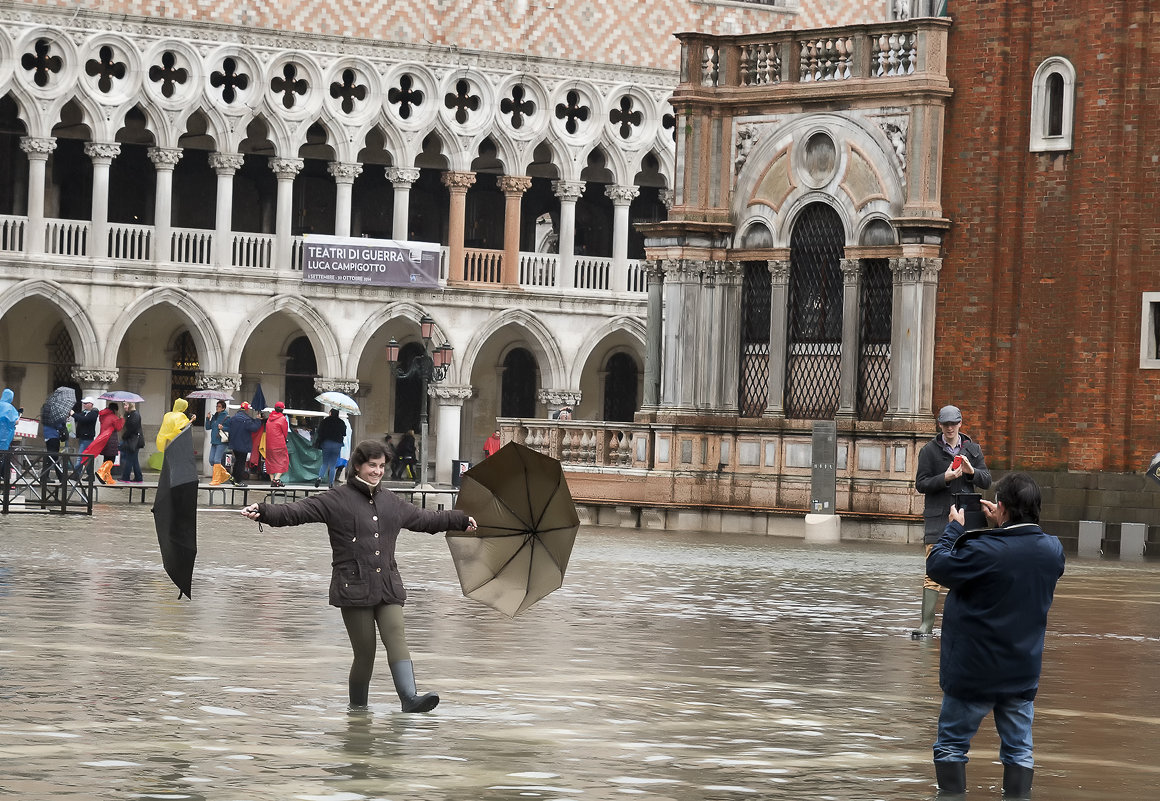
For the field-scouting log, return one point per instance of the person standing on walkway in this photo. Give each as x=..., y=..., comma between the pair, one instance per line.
x=1002, y=582
x=331, y=435
x=216, y=424
x=492, y=444
x=86, y=422
x=364, y=520
x=950, y=463
x=242, y=429
x=132, y=441
x=173, y=423
x=110, y=424
x=9, y=417
x=277, y=451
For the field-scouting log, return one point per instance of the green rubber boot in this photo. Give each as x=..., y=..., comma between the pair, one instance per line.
x=929, y=602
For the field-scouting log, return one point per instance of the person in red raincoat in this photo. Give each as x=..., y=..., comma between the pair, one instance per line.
x=107, y=441
x=277, y=454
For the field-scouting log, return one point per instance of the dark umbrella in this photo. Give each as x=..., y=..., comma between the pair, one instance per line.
x=527, y=525
x=259, y=401
x=58, y=406
x=175, y=512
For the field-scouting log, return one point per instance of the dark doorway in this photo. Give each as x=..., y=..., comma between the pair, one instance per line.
x=518, y=393
x=620, y=388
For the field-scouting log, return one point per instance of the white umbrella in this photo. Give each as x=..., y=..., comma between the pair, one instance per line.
x=339, y=400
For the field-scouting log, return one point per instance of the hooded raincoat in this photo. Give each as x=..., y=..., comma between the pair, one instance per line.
x=8, y=418
x=277, y=455
x=172, y=424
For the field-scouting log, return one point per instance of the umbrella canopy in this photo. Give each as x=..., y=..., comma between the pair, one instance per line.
x=122, y=396
x=175, y=512
x=58, y=406
x=339, y=400
x=527, y=526
x=212, y=394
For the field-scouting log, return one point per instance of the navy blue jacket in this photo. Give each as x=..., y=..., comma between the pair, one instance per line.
x=241, y=429
x=1001, y=585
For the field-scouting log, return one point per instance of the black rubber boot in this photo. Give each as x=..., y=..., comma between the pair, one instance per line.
x=359, y=693
x=404, y=675
x=929, y=602
x=952, y=777
x=1017, y=781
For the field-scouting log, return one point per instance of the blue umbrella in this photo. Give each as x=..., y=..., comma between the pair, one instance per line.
x=259, y=401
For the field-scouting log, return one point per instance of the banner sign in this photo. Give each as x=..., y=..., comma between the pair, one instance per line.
x=378, y=262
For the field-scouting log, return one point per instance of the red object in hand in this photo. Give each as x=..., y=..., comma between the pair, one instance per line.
x=957, y=463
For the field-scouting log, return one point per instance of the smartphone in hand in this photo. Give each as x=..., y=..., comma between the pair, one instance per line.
x=957, y=463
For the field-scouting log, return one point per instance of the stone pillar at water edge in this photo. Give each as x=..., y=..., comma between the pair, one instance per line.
x=778, y=331
x=449, y=421
x=912, y=337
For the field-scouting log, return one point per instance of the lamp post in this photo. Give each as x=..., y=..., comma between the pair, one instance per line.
x=430, y=367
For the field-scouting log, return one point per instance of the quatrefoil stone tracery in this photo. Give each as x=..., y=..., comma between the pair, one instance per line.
x=288, y=85
x=405, y=96
x=462, y=101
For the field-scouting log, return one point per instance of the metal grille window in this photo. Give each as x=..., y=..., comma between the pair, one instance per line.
x=301, y=370
x=63, y=357
x=408, y=391
x=183, y=379
x=518, y=391
x=814, y=344
x=755, y=293
x=620, y=388
x=874, y=308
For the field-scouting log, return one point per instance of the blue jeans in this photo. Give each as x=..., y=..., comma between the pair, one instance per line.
x=331, y=450
x=959, y=720
x=217, y=453
x=130, y=465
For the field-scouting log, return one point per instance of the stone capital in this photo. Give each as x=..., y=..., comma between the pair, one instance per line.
x=344, y=172
x=94, y=377
x=165, y=158
x=559, y=398
x=778, y=270
x=286, y=168
x=851, y=271
x=514, y=184
x=458, y=181
x=38, y=147
x=667, y=197
x=911, y=270
x=344, y=385
x=568, y=190
x=222, y=382
x=448, y=395
x=402, y=175
x=102, y=152
x=621, y=195
x=226, y=163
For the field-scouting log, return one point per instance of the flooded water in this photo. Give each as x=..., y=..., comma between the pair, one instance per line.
x=670, y=666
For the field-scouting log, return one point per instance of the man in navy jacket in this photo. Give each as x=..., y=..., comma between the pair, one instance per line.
x=1001, y=581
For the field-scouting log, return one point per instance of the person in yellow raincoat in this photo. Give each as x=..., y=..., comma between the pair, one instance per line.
x=173, y=423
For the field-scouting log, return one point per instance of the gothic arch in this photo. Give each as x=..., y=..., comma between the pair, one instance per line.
x=631, y=326
x=541, y=342
x=314, y=325
x=402, y=310
x=75, y=317
x=201, y=326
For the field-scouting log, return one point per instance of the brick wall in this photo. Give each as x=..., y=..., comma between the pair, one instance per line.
x=634, y=33
x=1039, y=320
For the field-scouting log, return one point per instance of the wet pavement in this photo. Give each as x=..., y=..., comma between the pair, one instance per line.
x=679, y=666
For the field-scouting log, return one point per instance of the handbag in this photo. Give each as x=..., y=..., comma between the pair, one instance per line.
x=140, y=441
x=224, y=436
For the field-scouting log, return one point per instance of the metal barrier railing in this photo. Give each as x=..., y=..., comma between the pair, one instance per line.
x=40, y=481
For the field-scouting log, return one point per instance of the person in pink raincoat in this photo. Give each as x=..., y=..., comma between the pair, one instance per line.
x=277, y=454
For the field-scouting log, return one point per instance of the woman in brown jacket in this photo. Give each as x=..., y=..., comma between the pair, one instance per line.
x=363, y=520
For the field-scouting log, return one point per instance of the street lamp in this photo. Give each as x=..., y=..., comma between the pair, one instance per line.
x=430, y=367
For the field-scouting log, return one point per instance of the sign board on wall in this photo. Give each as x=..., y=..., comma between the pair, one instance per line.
x=377, y=262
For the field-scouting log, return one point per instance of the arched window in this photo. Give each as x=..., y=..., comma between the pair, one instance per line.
x=814, y=344
x=1053, y=106
x=620, y=388
x=183, y=372
x=63, y=358
x=518, y=391
x=301, y=370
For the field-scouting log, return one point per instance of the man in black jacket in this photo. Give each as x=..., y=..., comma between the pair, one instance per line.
x=948, y=464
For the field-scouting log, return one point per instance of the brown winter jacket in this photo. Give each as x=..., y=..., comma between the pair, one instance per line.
x=364, y=526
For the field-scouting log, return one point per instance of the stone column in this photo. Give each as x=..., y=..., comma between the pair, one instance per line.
x=682, y=355
x=557, y=399
x=449, y=421
x=513, y=187
x=728, y=275
x=38, y=150
x=778, y=333
x=401, y=178
x=344, y=174
x=222, y=382
x=225, y=165
x=848, y=367
x=285, y=170
x=164, y=160
x=568, y=192
x=102, y=155
x=912, y=337
x=94, y=382
x=653, y=332
x=622, y=197
x=458, y=184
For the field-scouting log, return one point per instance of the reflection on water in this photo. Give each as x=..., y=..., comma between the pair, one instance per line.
x=670, y=666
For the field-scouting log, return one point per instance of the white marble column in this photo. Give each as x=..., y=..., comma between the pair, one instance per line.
x=622, y=197
x=102, y=155
x=683, y=358
x=225, y=165
x=912, y=329
x=344, y=174
x=654, y=330
x=568, y=192
x=38, y=151
x=848, y=366
x=778, y=331
x=449, y=421
x=285, y=169
x=402, y=179
x=164, y=160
